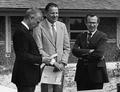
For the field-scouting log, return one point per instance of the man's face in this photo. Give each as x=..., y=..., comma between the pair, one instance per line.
x=52, y=14
x=92, y=23
x=35, y=19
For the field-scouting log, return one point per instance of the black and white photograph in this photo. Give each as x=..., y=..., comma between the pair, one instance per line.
x=59, y=46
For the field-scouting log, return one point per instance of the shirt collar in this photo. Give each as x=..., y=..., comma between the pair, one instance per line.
x=25, y=25
x=92, y=33
x=49, y=24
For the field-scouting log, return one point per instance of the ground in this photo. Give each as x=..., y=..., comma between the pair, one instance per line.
x=69, y=84
x=5, y=81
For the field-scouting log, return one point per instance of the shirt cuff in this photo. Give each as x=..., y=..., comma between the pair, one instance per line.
x=52, y=61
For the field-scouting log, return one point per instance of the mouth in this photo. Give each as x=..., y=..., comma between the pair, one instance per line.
x=55, y=18
x=91, y=28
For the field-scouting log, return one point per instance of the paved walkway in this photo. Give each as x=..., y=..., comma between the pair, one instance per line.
x=7, y=86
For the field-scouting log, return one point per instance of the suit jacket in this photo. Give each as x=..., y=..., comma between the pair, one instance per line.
x=47, y=46
x=94, y=62
x=26, y=69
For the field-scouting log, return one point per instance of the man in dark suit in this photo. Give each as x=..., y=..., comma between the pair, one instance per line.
x=26, y=72
x=89, y=48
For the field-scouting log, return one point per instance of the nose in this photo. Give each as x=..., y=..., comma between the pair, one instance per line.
x=92, y=24
x=55, y=14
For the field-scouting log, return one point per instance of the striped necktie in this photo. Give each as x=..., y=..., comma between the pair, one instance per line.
x=54, y=33
x=89, y=36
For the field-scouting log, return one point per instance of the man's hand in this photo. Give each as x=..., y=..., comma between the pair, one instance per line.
x=46, y=60
x=62, y=66
x=91, y=50
x=59, y=67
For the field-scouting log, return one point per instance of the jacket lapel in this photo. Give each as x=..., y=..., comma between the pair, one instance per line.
x=95, y=36
x=46, y=31
x=59, y=33
x=26, y=31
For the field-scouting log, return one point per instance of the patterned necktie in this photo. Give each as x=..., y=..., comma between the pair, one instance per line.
x=54, y=33
x=89, y=36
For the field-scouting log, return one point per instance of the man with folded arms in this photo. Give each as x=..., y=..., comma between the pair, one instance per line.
x=89, y=48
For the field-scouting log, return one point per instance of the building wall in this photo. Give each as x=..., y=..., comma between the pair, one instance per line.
x=109, y=26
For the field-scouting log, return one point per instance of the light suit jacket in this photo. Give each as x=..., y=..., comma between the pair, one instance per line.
x=47, y=46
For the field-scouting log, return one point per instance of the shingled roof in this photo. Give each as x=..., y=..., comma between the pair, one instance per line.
x=63, y=4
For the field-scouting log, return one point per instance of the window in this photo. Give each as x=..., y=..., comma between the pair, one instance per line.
x=2, y=29
x=77, y=26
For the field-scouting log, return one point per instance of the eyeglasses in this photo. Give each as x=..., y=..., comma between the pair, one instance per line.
x=92, y=23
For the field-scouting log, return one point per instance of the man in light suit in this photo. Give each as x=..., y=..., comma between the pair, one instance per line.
x=50, y=43
x=26, y=72
x=89, y=48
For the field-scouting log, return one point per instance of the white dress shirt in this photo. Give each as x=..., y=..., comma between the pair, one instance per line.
x=50, y=26
x=25, y=25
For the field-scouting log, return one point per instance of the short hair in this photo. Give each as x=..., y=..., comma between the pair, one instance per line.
x=50, y=5
x=32, y=11
x=91, y=15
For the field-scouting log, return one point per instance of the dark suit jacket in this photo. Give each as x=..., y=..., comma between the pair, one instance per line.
x=26, y=69
x=94, y=62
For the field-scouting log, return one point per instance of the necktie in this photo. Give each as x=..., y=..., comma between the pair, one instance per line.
x=54, y=33
x=89, y=36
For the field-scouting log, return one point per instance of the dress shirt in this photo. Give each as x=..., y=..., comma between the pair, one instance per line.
x=25, y=25
x=50, y=26
x=92, y=33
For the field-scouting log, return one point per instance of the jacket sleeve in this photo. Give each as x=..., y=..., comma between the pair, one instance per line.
x=66, y=46
x=38, y=38
x=100, y=49
x=77, y=50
